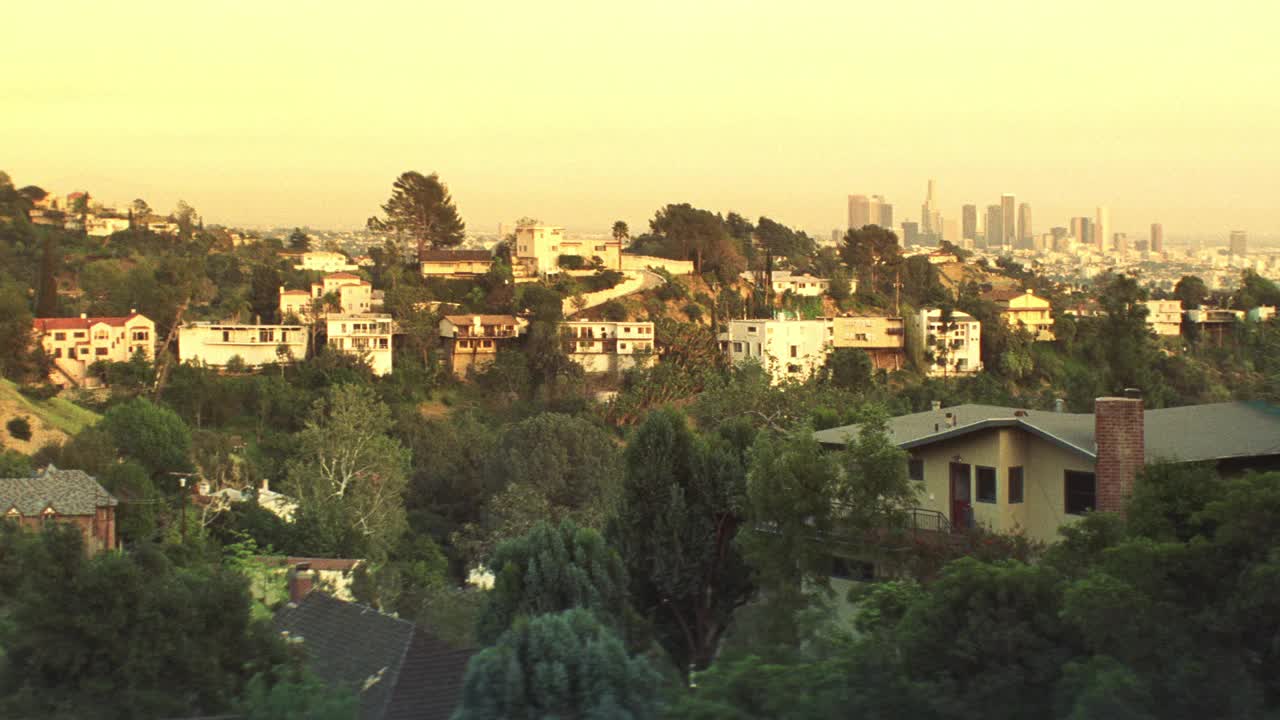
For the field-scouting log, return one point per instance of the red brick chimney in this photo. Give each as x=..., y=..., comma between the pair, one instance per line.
x=300, y=581
x=1121, y=446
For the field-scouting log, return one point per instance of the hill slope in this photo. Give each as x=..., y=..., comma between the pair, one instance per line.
x=52, y=420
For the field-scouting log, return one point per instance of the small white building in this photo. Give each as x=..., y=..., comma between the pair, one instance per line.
x=215, y=344
x=954, y=343
x=539, y=247
x=324, y=261
x=367, y=335
x=787, y=349
x=1164, y=317
x=106, y=226
x=608, y=347
x=801, y=284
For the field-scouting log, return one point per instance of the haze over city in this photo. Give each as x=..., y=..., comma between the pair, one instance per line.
x=584, y=113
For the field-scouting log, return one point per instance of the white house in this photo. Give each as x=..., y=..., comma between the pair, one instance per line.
x=787, y=349
x=215, y=344
x=74, y=344
x=367, y=335
x=1164, y=317
x=954, y=342
x=607, y=347
x=539, y=247
x=106, y=226
x=324, y=261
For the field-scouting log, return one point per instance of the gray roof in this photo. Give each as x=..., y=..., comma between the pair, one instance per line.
x=68, y=492
x=1186, y=434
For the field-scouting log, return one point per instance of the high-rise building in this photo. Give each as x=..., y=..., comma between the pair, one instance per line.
x=836, y=236
x=1024, y=225
x=910, y=233
x=1083, y=230
x=1121, y=243
x=993, y=233
x=1009, y=215
x=1239, y=243
x=930, y=218
x=1156, y=243
x=1059, y=238
x=859, y=211
x=886, y=215
x=1102, y=229
x=951, y=231
x=970, y=218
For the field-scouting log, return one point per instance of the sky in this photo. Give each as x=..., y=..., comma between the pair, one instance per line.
x=581, y=113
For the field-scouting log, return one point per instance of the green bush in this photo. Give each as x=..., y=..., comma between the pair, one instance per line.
x=19, y=428
x=572, y=262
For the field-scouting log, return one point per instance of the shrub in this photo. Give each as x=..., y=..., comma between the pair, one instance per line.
x=572, y=262
x=43, y=391
x=693, y=311
x=19, y=428
x=614, y=311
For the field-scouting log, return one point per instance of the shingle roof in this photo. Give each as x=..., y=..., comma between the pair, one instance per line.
x=399, y=671
x=456, y=256
x=1191, y=433
x=68, y=492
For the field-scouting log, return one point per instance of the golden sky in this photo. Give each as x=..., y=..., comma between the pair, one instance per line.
x=580, y=113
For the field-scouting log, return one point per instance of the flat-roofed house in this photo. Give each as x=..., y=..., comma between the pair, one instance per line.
x=455, y=263
x=953, y=340
x=472, y=341
x=1164, y=317
x=215, y=344
x=367, y=335
x=881, y=336
x=786, y=349
x=600, y=346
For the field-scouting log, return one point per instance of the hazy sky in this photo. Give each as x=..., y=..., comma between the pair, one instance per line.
x=580, y=113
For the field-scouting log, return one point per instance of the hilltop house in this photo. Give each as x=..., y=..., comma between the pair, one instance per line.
x=1033, y=471
x=786, y=349
x=455, y=263
x=881, y=337
x=367, y=335
x=607, y=347
x=215, y=344
x=1164, y=317
x=472, y=341
x=539, y=247
x=953, y=341
x=62, y=496
x=74, y=344
x=323, y=261
x=1024, y=309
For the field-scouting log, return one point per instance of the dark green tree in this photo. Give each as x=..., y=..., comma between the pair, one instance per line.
x=299, y=241
x=421, y=208
x=151, y=434
x=848, y=368
x=1192, y=291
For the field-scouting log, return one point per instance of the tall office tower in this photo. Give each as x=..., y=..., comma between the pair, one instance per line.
x=1239, y=243
x=930, y=217
x=1121, y=243
x=1009, y=215
x=1156, y=243
x=994, y=230
x=1059, y=234
x=1102, y=229
x=951, y=231
x=1024, y=225
x=910, y=233
x=970, y=215
x=886, y=215
x=859, y=211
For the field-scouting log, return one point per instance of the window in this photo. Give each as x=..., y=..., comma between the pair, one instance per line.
x=60, y=336
x=79, y=335
x=622, y=346
x=915, y=469
x=737, y=347
x=266, y=335
x=1015, y=485
x=794, y=351
x=1081, y=490
x=57, y=352
x=99, y=351
x=751, y=328
x=986, y=484
x=226, y=336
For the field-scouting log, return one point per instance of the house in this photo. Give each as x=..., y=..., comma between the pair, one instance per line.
x=1215, y=324
x=952, y=340
x=801, y=284
x=455, y=263
x=332, y=576
x=1024, y=309
x=294, y=304
x=215, y=344
x=608, y=347
x=62, y=496
x=74, y=344
x=882, y=338
x=396, y=668
x=1262, y=313
x=353, y=294
x=367, y=335
x=472, y=341
x=787, y=349
x=1164, y=317
x=106, y=226
x=539, y=247
x=323, y=261
x=163, y=227
x=1033, y=471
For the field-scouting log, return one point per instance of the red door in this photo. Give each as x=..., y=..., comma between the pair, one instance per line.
x=961, y=510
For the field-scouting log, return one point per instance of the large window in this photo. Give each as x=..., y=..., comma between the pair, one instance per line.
x=986, y=484
x=915, y=469
x=1081, y=492
x=1015, y=484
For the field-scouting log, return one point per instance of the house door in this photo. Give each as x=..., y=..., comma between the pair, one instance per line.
x=961, y=509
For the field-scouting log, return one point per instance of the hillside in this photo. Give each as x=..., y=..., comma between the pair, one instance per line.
x=52, y=420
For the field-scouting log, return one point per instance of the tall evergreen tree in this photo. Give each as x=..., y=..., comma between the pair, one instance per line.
x=421, y=208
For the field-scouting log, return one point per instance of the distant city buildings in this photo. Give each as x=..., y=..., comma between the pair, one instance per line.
x=1239, y=243
x=1156, y=242
x=969, y=231
x=994, y=229
x=930, y=217
x=1102, y=231
x=869, y=210
x=1024, y=227
x=1008, y=210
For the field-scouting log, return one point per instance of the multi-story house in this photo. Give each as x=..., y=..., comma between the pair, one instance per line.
x=323, y=261
x=786, y=349
x=106, y=226
x=882, y=338
x=354, y=296
x=367, y=335
x=62, y=496
x=952, y=341
x=539, y=247
x=455, y=263
x=608, y=347
x=75, y=344
x=216, y=344
x=1164, y=317
x=1215, y=324
x=472, y=341
x=1026, y=310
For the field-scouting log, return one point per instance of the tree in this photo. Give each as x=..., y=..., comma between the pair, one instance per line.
x=301, y=698
x=347, y=474
x=782, y=242
x=186, y=218
x=570, y=460
x=15, y=332
x=421, y=208
x=675, y=528
x=298, y=241
x=620, y=231
x=698, y=235
x=866, y=248
x=19, y=428
x=141, y=210
x=565, y=665
x=552, y=569
x=848, y=368
x=264, y=293
x=152, y=434
x=1191, y=290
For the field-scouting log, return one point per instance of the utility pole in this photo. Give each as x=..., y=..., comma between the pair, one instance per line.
x=182, y=486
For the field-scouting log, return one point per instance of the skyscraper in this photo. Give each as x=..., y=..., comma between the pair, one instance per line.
x=859, y=211
x=1024, y=226
x=970, y=217
x=1156, y=244
x=1121, y=242
x=1083, y=231
x=1008, y=213
x=886, y=215
x=994, y=230
x=930, y=218
x=910, y=233
x=1102, y=229
x=1059, y=238
x=1239, y=243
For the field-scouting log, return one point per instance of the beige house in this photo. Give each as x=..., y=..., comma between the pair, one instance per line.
x=354, y=294
x=1164, y=317
x=1024, y=309
x=786, y=349
x=472, y=341
x=882, y=337
x=1034, y=471
x=367, y=335
x=608, y=347
x=539, y=247
x=74, y=344
x=215, y=344
x=323, y=261
x=954, y=344
x=455, y=263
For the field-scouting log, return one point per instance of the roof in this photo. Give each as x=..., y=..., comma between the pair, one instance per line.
x=456, y=256
x=342, y=276
x=295, y=292
x=484, y=319
x=81, y=323
x=400, y=671
x=316, y=563
x=1192, y=433
x=68, y=492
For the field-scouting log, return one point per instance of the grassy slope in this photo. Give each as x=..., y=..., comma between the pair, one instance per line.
x=51, y=419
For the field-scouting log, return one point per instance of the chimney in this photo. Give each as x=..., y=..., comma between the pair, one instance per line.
x=300, y=581
x=1059, y=405
x=1120, y=442
x=84, y=316
x=935, y=405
